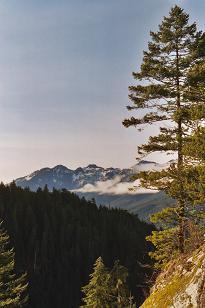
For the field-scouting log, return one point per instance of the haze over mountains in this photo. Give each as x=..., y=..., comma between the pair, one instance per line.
x=109, y=186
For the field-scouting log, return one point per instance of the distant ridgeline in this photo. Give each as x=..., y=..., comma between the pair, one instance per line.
x=109, y=186
x=57, y=237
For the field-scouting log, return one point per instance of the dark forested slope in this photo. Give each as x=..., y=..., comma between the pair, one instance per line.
x=57, y=236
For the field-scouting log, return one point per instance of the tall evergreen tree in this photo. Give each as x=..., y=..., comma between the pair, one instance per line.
x=97, y=292
x=108, y=288
x=164, y=92
x=12, y=288
x=118, y=282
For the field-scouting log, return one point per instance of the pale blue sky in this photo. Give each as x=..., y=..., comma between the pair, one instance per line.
x=65, y=66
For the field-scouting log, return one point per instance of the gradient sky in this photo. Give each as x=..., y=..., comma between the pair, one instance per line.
x=65, y=66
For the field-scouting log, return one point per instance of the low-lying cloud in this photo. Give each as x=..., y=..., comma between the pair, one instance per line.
x=114, y=187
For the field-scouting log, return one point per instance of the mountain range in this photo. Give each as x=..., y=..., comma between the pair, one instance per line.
x=109, y=186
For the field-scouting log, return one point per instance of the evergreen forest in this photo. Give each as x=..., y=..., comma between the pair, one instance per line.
x=57, y=237
x=59, y=250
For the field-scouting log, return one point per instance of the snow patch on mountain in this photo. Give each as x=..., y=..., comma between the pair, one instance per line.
x=91, y=178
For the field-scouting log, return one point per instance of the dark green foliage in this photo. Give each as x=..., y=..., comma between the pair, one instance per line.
x=108, y=289
x=12, y=287
x=118, y=280
x=170, y=89
x=97, y=292
x=57, y=237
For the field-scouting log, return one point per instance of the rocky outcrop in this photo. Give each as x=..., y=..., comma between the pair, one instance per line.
x=181, y=284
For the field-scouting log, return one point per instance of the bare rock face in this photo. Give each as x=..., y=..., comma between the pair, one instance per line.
x=181, y=284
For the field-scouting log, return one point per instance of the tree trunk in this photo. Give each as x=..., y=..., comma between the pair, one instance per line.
x=180, y=201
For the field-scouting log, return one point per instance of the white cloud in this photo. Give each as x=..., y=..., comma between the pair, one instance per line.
x=114, y=187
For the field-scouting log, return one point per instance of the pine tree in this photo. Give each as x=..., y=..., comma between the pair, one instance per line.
x=12, y=288
x=119, y=289
x=108, y=288
x=97, y=292
x=164, y=93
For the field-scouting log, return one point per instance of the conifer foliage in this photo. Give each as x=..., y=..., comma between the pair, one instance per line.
x=165, y=93
x=118, y=280
x=107, y=288
x=57, y=236
x=12, y=288
x=97, y=291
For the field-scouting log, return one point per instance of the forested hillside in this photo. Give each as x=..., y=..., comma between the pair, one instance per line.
x=57, y=237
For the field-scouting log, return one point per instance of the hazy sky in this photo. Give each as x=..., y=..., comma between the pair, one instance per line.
x=65, y=66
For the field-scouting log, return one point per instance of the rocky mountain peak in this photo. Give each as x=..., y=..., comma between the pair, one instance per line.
x=61, y=177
